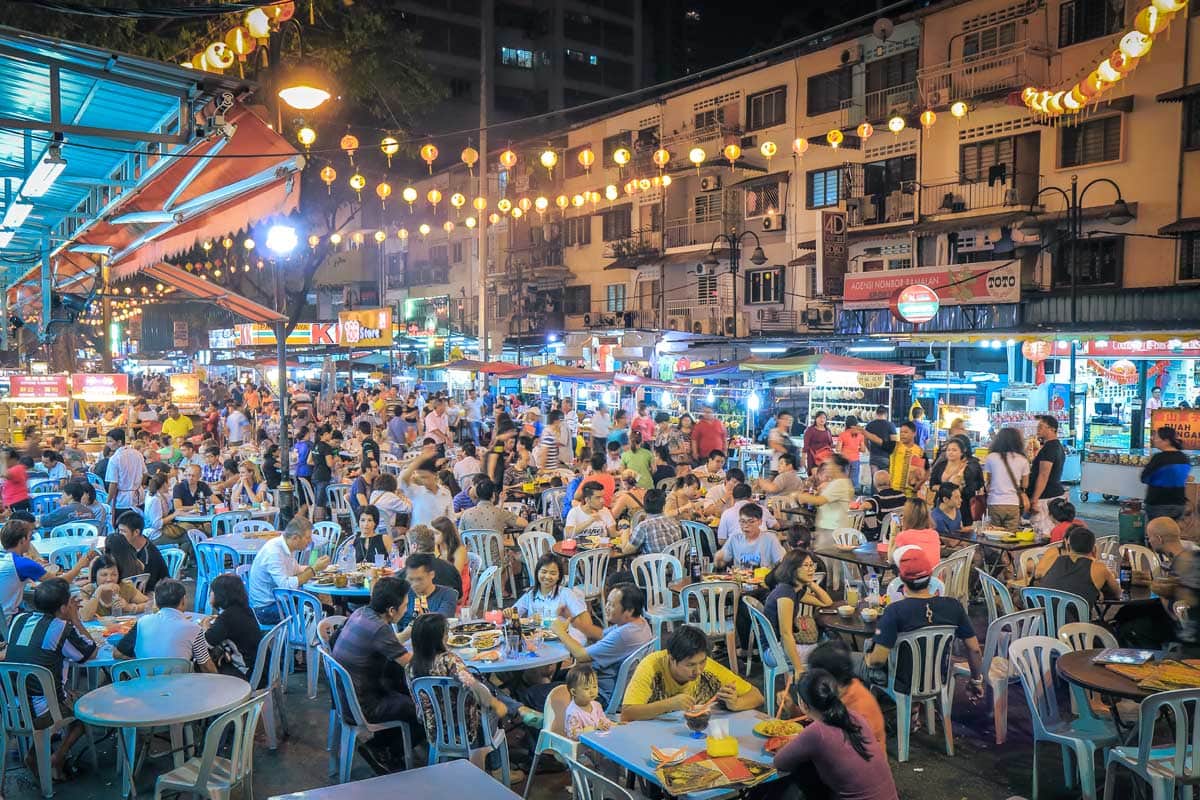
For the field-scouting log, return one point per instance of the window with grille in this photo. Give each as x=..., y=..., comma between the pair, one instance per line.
x=1189, y=257
x=1081, y=20
x=457, y=251
x=615, y=297
x=577, y=299
x=892, y=72
x=707, y=207
x=709, y=119
x=706, y=290
x=439, y=254
x=765, y=285
x=1098, y=261
x=577, y=231
x=976, y=160
x=823, y=185
x=1191, y=110
x=1091, y=142
x=766, y=109
x=827, y=91
x=617, y=224
x=762, y=199
x=985, y=43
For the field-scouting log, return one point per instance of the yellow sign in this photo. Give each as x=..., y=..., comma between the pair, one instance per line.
x=368, y=327
x=1185, y=421
x=185, y=388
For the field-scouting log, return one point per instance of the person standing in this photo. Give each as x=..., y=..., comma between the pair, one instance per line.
x=907, y=464
x=474, y=409
x=1046, y=474
x=924, y=429
x=1007, y=474
x=599, y=425
x=15, y=491
x=851, y=443
x=881, y=439
x=237, y=426
x=818, y=442
x=124, y=475
x=708, y=436
x=1166, y=476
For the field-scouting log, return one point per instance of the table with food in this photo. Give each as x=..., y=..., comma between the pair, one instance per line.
x=494, y=645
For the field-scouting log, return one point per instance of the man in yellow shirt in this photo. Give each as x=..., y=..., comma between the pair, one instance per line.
x=683, y=676
x=176, y=425
x=907, y=464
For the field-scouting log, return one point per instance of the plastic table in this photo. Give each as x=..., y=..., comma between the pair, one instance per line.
x=166, y=700
x=547, y=653
x=461, y=777
x=48, y=547
x=247, y=548
x=255, y=513
x=363, y=591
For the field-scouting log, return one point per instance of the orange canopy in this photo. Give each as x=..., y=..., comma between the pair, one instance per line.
x=201, y=289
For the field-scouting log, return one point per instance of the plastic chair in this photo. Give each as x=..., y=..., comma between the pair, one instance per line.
x=44, y=503
x=266, y=678
x=700, y=535
x=1142, y=558
x=1086, y=636
x=489, y=582
x=534, y=545
x=45, y=486
x=591, y=785
x=252, y=526
x=888, y=522
x=541, y=525
x=174, y=558
x=552, y=502
x=996, y=596
x=148, y=668
x=1027, y=560
x=1033, y=660
x=96, y=481
x=1108, y=546
x=679, y=550
x=78, y=529
x=776, y=663
x=1002, y=632
x=844, y=537
x=488, y=545
x=1161, y=766
x=666, y=484
x=212, y=559
x=712, y=607
x=352, y=724
x=451, y=738
x=306, y=494
x=338, y=495
x=1054, y=605
x=223, y=523
x=552, y=738
x=302, y=612
x=955, y=574
x=139, y=581
x=655, y=572
x=326, y=628
x=927, y=650
x=327, y=530
x=210, y=775
x=18, y=718
x=624, y=673
x=587, y=571
x=65, y=558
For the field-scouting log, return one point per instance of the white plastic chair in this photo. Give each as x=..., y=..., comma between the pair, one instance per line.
x=245, y=526
x=489, y=546
x=139, y=581
x=173, y=557
x=148, y=668
x=955, y=573
x=552, y=502
x=712, y=607
x=534, y=545
x=848, y=571
x=591, y=785
x=338, y=495
x=587, y=571
x=927, y=650
x=1027, y=560
x=79, y=529
x=624, y=673
x=1002, y=632
x=541, y=525
x=18, y=718
x=210, y=775
x=267, y=678
x=451, y=737
x=1163, y=767
x=1108, y=546
x=679, y=550
x=489, y=583
x=776, y=663
x=996, y=596
x=307, y=496
x=655, y=572
x=553, y=736
x=1086, y=636
x=352, y=724
x=1142, y=559
x=1054, y=605
x=889, y=521
x=1033, y=660
x=302, y=612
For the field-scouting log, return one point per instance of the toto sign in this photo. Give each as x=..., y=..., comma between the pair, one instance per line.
x=916, y=304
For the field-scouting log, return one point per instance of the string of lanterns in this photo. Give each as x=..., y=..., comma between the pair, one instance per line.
x=1150, y=21
x=242, y=40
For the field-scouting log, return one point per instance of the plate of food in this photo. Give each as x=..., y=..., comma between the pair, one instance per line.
x=667, y=756
x=473, y=627
x=486, y=641
x=996, y=534
x=458, y=640
x=778, y=727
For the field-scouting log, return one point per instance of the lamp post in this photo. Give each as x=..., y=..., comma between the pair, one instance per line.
x=734, y=241
x=281, y=240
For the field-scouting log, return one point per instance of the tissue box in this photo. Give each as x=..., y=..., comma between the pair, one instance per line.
x=718, y=748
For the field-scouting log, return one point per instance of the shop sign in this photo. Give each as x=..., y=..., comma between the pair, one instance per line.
x=38, y=387
x=185, y=388
x=255, y=334
x=367, y=327
x=1185, y=421
x=956, y=285
x=916, y=304
x=1177, y=348
x=99, y=388
x=180, y=337
x=835, y=259
x=871, y=380
x=428, y=316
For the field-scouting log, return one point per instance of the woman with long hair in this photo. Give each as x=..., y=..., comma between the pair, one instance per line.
x=958, y=466
x=448, y=546
x=248, y=489
x=1006, y=475
x=916, y=527
x=549, y=599
x=234, y=635
x=1166, y=475
x=394, y=508
x=818, y=442
x=837, y=756
x=373, y=539
x=685, y=501
x=793, y=584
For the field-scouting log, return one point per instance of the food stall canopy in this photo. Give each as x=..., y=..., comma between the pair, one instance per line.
x=201, y=289
x=639, y=381
x=557, y=372
x=737, y=371
x=830, y=363
x=373, y=360
x=271, y=363
x=469, y=365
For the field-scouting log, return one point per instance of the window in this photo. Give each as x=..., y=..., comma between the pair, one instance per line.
x=827, y=91
x=766, y=109
x=709, y=119
x=1099, y=262
x=577, y=231
x=457, y=250
x=617, y=224
x=823, y=187
x=615, y=293
x=706, y=290
x=577, y=299
x=762, y=199
x=986, y=42
x=516, y=57
x=765, y=286
x=1191, y=110
x=892, y=72
x=1091, y=142
x=1189, y=257
x=1081, y=20
x=707, y=207
x=439, y=254
x=977, y=160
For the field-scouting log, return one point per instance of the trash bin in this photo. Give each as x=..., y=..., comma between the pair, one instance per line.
x=1131, y=523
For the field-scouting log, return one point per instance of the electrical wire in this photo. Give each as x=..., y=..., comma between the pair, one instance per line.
x=184, y=13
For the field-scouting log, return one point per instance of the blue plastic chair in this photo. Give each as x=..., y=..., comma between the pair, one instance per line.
x=223, y=523
x=65, y=558
x=80, y=529
x=1054, y=605
x=1163, y=767
x=45, y=486
x=624, y=673
x=776, y=663
x=927, y=651
x=174, y=558
x=212, y=559
x=700, y=535
x=1032, y=658
x=302, y=611
x=451, y=738
x=96, y=481
x=352, y=723
x=45, y=503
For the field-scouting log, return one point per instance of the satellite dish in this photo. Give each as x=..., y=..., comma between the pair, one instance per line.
x=883, y=29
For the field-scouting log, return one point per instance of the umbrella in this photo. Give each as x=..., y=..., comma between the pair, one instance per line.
x=830, y=363
x=469, y=365
x=563, y=374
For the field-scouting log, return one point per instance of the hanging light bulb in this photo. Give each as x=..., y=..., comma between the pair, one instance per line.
x=480, y=203
x=928, y=118
x=429, y=154
x=306, y=136
x=865, y=130
x=469, y=156
x=424, y=229
x=800, y=145
x=504, y=205
x=697, y=156
x=390, y=146
x=410, y=196
x=549, y=158
x=835, y=137
x=896, y=124
x=508, y=159
x=959, y=109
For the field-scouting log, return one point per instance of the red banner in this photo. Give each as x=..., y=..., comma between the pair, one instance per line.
x=38, y=387
x=956, y=285
x=97, y=387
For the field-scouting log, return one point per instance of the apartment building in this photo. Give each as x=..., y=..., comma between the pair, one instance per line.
x=967, y=204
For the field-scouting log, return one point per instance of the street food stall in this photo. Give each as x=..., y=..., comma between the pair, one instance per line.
x=39, y=402
x=1115, y=475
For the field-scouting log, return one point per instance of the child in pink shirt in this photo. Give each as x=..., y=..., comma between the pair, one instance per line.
x=584, y=713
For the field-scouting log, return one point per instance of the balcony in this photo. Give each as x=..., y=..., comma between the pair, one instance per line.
x=706, y=318
x=642, y=247
x=541, y=262
x=878, y=106
x=953, y=197
x=776, y=320
x=984, y=74
x=687, y=234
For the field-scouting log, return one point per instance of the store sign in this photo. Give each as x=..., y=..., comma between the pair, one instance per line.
x=1147, y=348
x=185, y=388
x=916, y=304
x=180, y=331
x=1185, y=421
x=956, y=285
x=222, y=339
x=835, y=259
x=38, y=387
x=429, y=316
x=99, y=388
x=257, y=335
x=368, y=327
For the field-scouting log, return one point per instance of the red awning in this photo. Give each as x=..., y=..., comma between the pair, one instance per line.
x=201, y=289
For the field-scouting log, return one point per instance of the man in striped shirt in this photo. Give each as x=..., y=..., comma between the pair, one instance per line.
x=50, y=636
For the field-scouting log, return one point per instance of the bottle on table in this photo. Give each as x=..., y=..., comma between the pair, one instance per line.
x=1125, y=575
x=694, y=564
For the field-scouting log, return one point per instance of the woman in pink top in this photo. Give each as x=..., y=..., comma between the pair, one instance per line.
x=916, y=527
x=15, y=492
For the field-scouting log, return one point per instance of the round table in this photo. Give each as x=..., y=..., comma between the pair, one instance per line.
x=547, y=653
x=48, y=547
x=828, y=619
x=558, y=550
x=255, y=513
x=170, y=700
x=1076, y=667
x=247, y=548
x=334, y=591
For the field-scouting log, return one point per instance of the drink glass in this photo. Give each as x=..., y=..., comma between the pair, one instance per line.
x=697, y=721
x=853, y=593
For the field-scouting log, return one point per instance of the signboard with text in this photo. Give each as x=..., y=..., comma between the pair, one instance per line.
x=1185, y=421
x=99, y=388
x=185, y=388
x=38, y=387
x=180, y=334
x=956, y=285
x=256, y=334
x=1145, y=348
x=835, y=260
x=366, y=327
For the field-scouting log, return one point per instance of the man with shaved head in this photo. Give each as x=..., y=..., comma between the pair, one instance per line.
x=1156, y=624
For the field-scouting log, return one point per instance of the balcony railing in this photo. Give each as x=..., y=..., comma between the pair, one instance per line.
x=688, y=135
x=953, y=197
x=644, y=243
x=774, y=320
x=984, y=74
x=687, y=232
x=880, y=105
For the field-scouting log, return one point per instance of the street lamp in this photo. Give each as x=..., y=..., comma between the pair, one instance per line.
x=282, y=241
x=303, y=89
x=734, y=242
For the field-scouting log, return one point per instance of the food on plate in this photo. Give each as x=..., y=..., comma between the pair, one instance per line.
x=667, y=756
x=473, y=627
x=458, y=640
x=485, y=641
x=778, y=727
x=490, y=655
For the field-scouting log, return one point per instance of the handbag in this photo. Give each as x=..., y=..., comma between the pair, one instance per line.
x=806, y=630
x=1022, y=498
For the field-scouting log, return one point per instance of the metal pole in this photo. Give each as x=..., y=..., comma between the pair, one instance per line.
x=286, y=490
x=106, y=318
x=484, y=60
x=1074, y=230
x=735, y=249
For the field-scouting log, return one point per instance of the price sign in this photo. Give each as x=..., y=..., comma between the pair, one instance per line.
x=1185, y=421
x=38, y=387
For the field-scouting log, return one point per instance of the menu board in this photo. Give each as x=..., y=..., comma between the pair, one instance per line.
x=1185, y=421
x=100, y=387
x=38, y=387
x=185, y=388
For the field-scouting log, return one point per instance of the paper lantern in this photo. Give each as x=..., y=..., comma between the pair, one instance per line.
x=508, y=159
x=578, y=201
x=219, y=55
x=631, y=186
x=1168, y=6
x=1054, y=103
x=494, y=218
x=958, y=109
x=661, y=157
x=666, y=181
x=434, y=197
x=1070, y=103
x=732, y=153
x=504, y=204
x=928, y=118
x=282, y=10
x=349, y=144
x=562, y=201
x=383, y=191
x=800, y=145
x=644, y=184
x=621, y=156
x=525, y=204
x=586, y=158
x=1036, y=350
x=458, y=200
x=469, y=156
x=380, y=237
x=835, y=137
x=424, y=229
x=517, y=213
x=610, y=192
x=1151, y=21
x=306, y=136
x=357, y=183
x=594, y=197
x=1121, y=62
x=896, y=124
x=390, y=146
x=549, y=158
x=402, y=234
x=541, y=204
x=313, y=241
x=1109, y=73
x=865, y=130
x=335, y=238
x=470, y=223
x=410, y=196
x=697, y=156
x=448, y=226
x=429, y=154
x=239, y=40
x=258, y=24
x=480, y=203
x=1135, y=44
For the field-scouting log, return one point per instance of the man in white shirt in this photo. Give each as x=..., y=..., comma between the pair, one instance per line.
x=429, y=499
x=236, y=426
x=729, y=524
x=590, y=517
x=167, y=633
x=275, y=567
x=437, y=423
x=570, y=419
x=124, y=476
x=600, y=428
x=474, y=409
x=467, y=463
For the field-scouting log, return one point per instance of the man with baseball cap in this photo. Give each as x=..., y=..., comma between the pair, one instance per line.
x=919, y=609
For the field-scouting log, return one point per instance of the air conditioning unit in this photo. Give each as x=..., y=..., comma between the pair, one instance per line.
x=587, y=320
x=774, y=222
x=710, y=183
x=977, y=241
x=819, y=315
x=701, y=268
x=852, y=54
x=938, y=97
x=677, y=323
